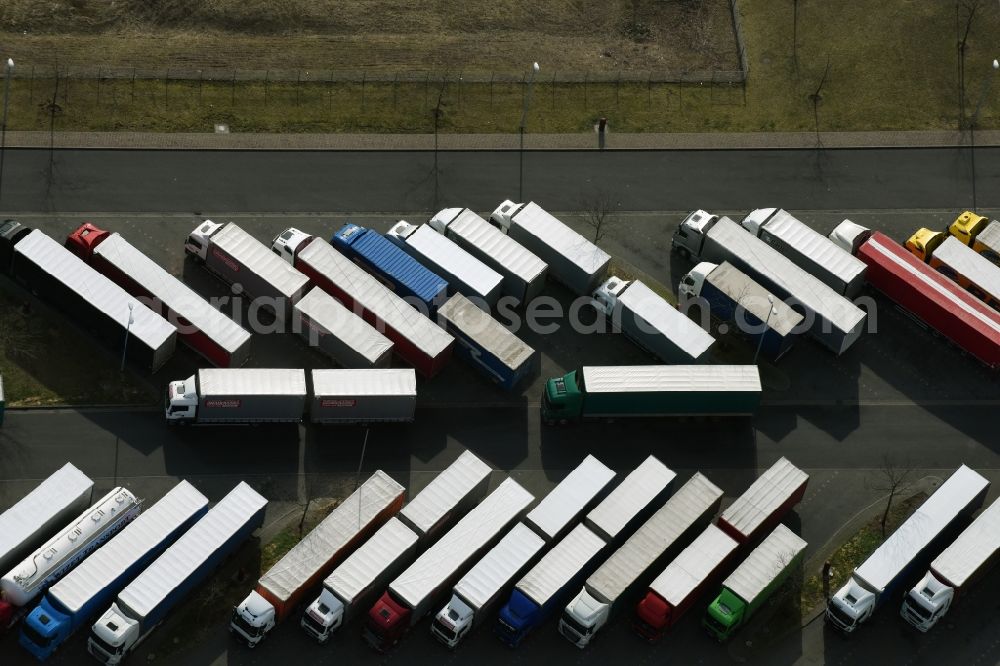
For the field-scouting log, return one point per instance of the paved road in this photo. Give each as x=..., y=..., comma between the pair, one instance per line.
x=209, y=181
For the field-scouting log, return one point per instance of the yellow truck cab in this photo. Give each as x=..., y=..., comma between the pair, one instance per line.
x=923, y=243
x=967, y=226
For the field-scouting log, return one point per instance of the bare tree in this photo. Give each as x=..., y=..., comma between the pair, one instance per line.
x=598, y=212
x=893, y=480
x=815, y=98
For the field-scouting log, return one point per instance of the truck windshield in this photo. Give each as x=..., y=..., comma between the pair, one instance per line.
x=576, y=626
x=840, y=616
x=917, y=608
x=313, y=623
x=104, y=645
x=245, y=626
x=715, y=625
x=34, y=636
x=443, y=630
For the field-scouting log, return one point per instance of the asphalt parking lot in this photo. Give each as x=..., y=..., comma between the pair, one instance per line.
x=900, y=391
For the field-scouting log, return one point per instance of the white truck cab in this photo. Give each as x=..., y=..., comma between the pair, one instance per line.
x=401, y=231
x=113, y=636
x=439, y=222
x=927, y=602
x=288, y=242
x=182, y=401
x=850, y=606
x=453, y=622
x=324, y=616
x=197, y=242
x=691, y=284
x=252, y=619
x=690, y=233
x=849, y=235
x=502, y=215
x=606, y=296
x=585, y=615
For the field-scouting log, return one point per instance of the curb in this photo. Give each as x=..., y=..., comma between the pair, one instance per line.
x=617, y=142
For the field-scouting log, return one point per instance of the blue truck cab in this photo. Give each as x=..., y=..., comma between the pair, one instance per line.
x=400, y=272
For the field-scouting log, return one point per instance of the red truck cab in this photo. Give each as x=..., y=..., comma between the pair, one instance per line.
x=387, y=621
x=83, y=241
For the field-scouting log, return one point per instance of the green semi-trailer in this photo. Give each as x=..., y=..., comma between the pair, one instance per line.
x=650, y=391
x=753, y=582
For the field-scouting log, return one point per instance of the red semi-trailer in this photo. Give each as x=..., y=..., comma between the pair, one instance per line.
x=921, y=290
x=200, y=326
x=417, y=340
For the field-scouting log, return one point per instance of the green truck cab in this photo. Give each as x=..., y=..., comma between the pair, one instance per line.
x=753, y=583
x=608, y=392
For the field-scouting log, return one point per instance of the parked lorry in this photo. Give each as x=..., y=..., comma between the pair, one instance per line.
x=413, y=593
x=834, y=321
x=753, y=582
x=651, y=322
x=969, y=227
x=523, y=272
x=987, y=242
x=745, y=521
x=465, y=274
x=57, y=556
x=651, y=391
x=474, y=597
x=378, y=395
x=353, y=586
x=323, y=323
x=238, y=396
x=486, y=345
x=37, y=515
x=765, y=502
x=808, y=249
x=960, y=263
x=674, y=591
x=417, y=340
x=972, y=555
x=736, y=300
x=892, y=569
x=920, y=290
x=146, y=601
x=239, y=259
x=404, y=275
x=612, y=586
x=572, y=259
x=544, y=588
x=92, y=301
x=74, y=600
x=200, y=326
x=282, y=588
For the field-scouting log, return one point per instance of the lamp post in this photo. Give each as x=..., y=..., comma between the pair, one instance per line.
x=8, y=68
x=771, y=310
x=128, y=328
x=524, y=119
x=983, y=94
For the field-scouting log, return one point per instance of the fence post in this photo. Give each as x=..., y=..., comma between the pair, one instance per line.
x=298, y=85
x=201, y=78
x=395, y=81
x=553, y=90
x=649, y=90
x=586, y=76
x=166, y=89
x=133, y=86
x=364, y=76
x=31, y=87
x=267, y=75
x=329, y=89
x=232, y=91
x=618, y=85
x=492, y=74
x=98, y=86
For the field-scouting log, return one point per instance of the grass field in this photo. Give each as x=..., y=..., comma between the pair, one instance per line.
x=891, y=66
